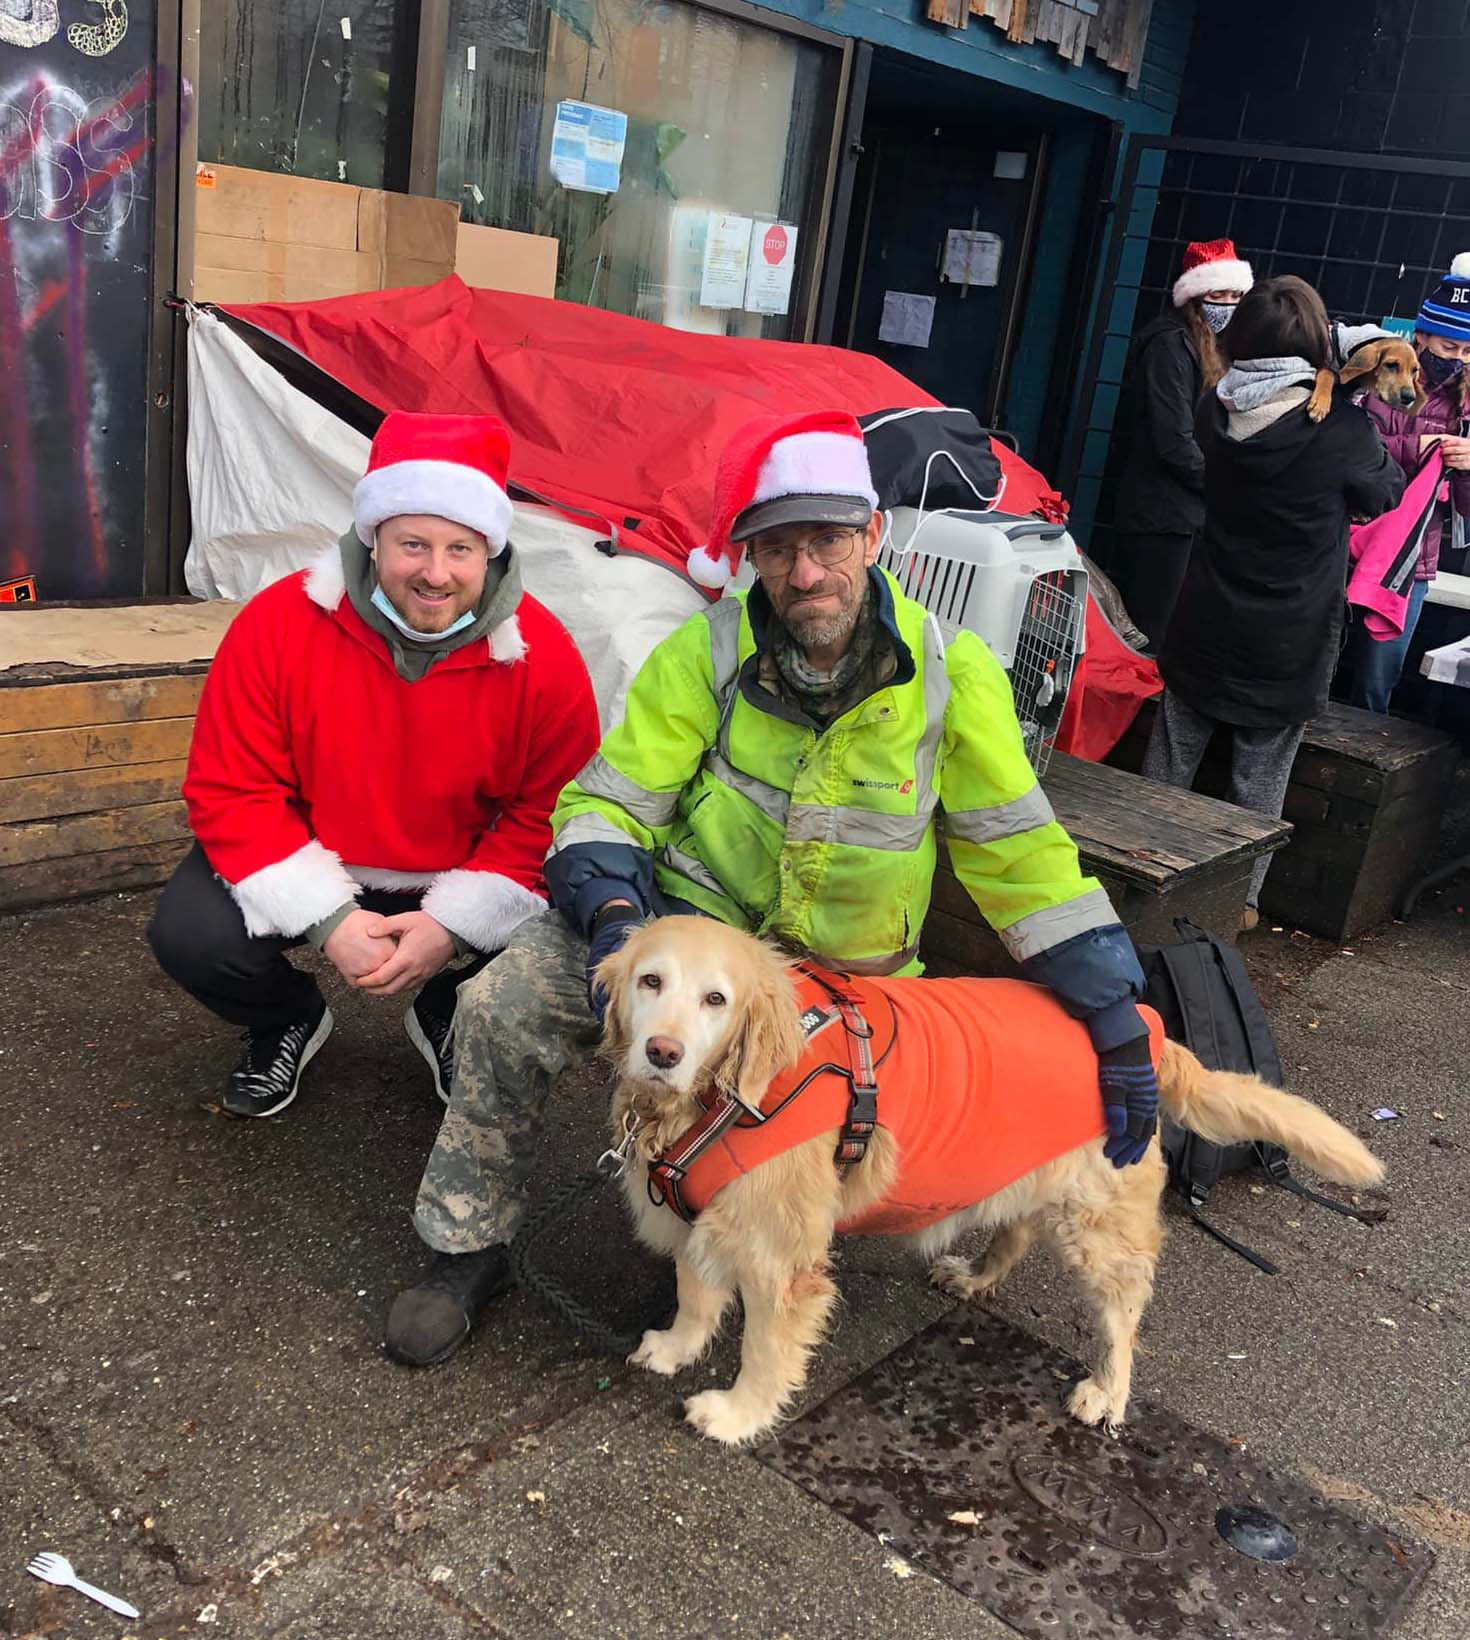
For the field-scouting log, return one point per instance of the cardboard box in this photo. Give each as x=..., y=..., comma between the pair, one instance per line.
x=496, y=259
x=408, y=225
x=263, y=237
x=234, y=203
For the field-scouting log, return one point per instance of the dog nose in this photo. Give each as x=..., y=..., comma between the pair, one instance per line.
x=1406, y=396
x=663, y=1052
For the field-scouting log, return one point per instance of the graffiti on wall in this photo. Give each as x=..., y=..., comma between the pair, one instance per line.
x=76, y=138
x=31, y=23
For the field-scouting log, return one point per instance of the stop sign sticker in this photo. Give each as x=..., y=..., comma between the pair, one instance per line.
x=768, y=283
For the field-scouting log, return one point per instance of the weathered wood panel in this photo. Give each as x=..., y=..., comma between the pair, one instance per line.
x=98, y=833
x=84, y=791
x=78, y=705
x=45, y=882
x=56, y=751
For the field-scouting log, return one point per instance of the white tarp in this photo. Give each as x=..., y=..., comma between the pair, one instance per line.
x=270, y=485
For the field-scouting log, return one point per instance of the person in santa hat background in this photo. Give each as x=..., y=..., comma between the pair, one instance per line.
x=377, y=750
x=785, y=763
x=1160, y=503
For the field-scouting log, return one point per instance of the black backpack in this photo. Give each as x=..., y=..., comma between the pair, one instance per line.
x=1201, y=991
x=930, y=457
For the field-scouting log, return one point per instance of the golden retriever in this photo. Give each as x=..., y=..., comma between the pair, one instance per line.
x=695, y=1004
x=1392, y=364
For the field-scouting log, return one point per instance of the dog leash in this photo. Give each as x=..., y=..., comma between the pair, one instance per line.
x=560, y=1205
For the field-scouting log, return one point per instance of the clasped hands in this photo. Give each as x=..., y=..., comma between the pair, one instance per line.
x=385, y=955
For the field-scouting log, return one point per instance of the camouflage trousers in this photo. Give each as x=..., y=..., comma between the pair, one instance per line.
x=519, y=1024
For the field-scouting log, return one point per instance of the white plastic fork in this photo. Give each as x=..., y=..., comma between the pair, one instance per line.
x=51, y=1568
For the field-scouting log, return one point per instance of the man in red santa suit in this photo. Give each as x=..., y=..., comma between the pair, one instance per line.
x=377, y=751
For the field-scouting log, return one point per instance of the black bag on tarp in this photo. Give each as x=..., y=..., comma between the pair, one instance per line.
x=1200, y=989
x=947, y=447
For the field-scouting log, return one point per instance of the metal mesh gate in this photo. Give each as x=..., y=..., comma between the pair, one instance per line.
x=1370, y=231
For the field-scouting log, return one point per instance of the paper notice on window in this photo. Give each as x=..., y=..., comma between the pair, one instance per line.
x=772, y=264
x=726, y=259
x=907, y=319
x=971, y=257
x=587, y=145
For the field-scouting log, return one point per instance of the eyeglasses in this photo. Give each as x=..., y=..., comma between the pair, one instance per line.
x=827, y=549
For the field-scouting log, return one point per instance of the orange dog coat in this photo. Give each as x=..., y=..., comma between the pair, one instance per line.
x=980, y=1082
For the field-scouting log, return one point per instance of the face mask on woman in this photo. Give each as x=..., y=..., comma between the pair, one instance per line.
x=1217, y=314
x=1438, y=371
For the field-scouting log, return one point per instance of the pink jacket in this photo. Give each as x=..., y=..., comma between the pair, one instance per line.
x=1388, y=550
x=1442, y=413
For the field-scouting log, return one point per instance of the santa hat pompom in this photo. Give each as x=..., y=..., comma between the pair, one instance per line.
x=1460, y=267
x=706, y=570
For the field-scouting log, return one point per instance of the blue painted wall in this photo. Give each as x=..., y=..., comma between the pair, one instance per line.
x=1082, y=98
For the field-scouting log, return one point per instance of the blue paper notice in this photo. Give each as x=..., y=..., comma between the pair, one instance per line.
x=587, y=147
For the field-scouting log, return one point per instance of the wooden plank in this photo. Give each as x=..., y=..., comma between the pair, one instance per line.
x=46, y=882
x=55, y=751
x=100, y=833
x=77, y=705
x=951, y=13
x=83, y=791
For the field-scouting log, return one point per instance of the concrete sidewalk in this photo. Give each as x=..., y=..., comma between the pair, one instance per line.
x=196, y=1407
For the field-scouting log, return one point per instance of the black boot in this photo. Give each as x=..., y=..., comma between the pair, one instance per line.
x=429, y=1322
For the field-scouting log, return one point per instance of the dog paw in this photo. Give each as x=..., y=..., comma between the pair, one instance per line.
x=716, y=1413
x=660, y=1352
x=1090, y=1404
x=954, y=1276
x=1317, y=412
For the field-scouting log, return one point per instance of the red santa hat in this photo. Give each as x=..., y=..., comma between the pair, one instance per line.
x=1211, y=264
x=810, y=469
x=453, y=467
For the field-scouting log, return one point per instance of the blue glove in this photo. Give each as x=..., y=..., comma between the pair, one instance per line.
x=610, y=927
x=1130, y=1093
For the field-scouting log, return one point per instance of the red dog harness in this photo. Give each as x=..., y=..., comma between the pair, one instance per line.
x=984, y=1081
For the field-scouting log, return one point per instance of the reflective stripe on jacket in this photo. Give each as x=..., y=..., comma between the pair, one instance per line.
x=715, y=794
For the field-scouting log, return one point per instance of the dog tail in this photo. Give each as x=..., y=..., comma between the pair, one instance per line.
x=1226, y=1108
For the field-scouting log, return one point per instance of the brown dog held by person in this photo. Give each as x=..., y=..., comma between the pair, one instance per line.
x=1392, y=368
x=704, y=1024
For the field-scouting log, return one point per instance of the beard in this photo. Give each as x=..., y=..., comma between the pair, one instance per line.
x=821, y=628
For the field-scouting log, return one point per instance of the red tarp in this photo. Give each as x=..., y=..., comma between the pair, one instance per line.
x=624, y=418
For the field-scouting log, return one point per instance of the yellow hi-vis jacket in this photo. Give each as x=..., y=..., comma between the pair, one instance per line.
x=714, y=794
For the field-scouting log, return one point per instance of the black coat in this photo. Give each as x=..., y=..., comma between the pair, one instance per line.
x=1161, y=490
x=1256, y=631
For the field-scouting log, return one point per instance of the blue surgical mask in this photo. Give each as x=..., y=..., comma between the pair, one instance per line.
x=1217, y=314
x=379, y=601
x=1438, y=371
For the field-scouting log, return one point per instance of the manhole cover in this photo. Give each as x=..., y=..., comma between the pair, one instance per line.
x=1077, y=1533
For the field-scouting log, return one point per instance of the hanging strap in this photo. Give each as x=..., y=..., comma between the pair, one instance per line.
x=1235, y=1246
x=862, y=1103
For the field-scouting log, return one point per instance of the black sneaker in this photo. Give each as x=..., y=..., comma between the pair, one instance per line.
x=269, y=1073
x=428, y=1323
x=433, y=1036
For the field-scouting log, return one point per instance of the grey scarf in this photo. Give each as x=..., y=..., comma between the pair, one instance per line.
x=1249, y=383
x=413, y=657
x=825, y=696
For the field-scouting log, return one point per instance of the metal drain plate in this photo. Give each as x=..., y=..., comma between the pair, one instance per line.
x=1078, y=1533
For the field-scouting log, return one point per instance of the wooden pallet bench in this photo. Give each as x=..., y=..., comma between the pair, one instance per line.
x=1160, y=854
x=1366, y=799
x=96, y=710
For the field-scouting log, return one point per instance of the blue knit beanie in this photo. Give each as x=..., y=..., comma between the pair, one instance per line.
x=1446, y=310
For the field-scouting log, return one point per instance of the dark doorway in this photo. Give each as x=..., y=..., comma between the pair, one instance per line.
x=941, y=151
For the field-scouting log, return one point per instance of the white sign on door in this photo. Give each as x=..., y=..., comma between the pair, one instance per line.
x=726, y=258
x=772, y=264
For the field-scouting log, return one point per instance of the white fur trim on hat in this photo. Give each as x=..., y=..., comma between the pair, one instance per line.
x=483, y=907
x=815, y=464
x=325, y=583
x=446, y=489
x=705, y=570
x=289, y=896
x=1221, y=275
